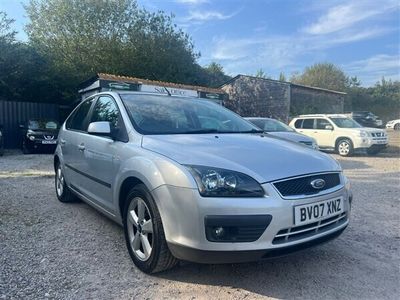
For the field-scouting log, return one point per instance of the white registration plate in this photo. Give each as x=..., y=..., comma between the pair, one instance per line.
x=313, y=212
x=49, y=142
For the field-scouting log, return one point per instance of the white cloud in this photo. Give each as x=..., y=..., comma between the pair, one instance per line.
x=372, y=69
x=202, y=16
x=339, y=25
x=347, y=15
x=192, y=2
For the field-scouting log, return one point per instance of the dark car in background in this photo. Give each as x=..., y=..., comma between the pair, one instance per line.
x=39, y=134
x=1, y=141
x=366, y=119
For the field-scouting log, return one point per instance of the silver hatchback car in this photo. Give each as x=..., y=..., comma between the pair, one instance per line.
x=188, y=179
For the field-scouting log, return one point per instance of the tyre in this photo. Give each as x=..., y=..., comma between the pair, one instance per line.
x=64, y=194
x=344, y=147
x=144, y=233
x=373, y=151
x=396, y=126
x=25, y=149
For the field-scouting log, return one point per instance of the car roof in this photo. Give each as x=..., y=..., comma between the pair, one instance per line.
x=259, y=118
x=321, y=116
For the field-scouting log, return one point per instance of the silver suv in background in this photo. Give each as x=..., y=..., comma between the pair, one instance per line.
x=188, y=179
x=340, y=133
x=283, y=131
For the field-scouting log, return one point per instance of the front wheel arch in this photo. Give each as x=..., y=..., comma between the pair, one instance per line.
x=342, y=138
x=56, y=162
x=125, y=188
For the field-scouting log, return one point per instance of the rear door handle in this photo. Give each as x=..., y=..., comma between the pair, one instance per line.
x=81, y=147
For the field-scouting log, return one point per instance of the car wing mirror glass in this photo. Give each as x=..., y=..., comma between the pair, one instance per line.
x=328, y=127
x=100, y=128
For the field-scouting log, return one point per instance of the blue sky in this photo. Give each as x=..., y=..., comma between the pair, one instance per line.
x=360, y=36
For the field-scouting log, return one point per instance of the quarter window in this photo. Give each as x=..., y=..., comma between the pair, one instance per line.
x=298, y=122
x=77, y=121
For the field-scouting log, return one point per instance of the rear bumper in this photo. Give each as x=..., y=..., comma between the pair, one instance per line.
x=221, y=257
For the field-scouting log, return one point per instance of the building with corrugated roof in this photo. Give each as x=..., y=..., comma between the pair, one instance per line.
x=106, y=82
x=251, y=96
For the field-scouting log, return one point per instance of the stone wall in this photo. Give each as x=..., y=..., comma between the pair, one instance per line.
x=258, y=97
x=307, y=100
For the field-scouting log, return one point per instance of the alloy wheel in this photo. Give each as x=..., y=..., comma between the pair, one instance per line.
x=140, y=229
x=344, y=148
x=60, y=182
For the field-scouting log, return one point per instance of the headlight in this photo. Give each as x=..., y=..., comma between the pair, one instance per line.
x=363, y=133
x=29, y=136
x=215, y=182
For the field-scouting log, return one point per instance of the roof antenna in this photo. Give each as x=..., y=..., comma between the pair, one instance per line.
x=155, y=77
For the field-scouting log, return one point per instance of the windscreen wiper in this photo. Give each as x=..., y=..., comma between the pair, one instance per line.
x=204, y=130
x=253, y=131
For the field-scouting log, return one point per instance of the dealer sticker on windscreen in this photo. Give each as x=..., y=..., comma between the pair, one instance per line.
x=313, y=212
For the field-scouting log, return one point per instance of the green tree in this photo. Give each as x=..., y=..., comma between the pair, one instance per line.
x=24, y=73
x=282, y=76
x=323, y=75
x=261, y=74
x=83, y=37
x=215, y=75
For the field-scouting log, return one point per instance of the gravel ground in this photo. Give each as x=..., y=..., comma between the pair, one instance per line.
x=58, y=251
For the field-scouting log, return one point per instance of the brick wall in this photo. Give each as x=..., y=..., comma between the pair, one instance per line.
x=258, y=97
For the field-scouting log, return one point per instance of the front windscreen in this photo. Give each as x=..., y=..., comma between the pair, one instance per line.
x=270, y=125
x=345, y=123
x=43, y=125
x=153, y=114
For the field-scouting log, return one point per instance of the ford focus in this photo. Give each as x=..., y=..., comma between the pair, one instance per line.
x=190, y=180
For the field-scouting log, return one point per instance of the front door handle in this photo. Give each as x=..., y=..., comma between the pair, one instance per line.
x=62, y=141
x=81, y=147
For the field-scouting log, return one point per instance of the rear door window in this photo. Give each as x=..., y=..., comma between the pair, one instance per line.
x=308, y=124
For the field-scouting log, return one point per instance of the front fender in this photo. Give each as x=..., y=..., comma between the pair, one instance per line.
x=154, y=171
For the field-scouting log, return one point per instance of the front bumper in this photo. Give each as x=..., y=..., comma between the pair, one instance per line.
x=184, y=213
x=390, y=125
x=221, y=257
x=41, y=143
x=368, y=142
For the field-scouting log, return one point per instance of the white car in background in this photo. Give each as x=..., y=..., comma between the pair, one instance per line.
x=283, y=131
x=340, y=133
x=393, y=124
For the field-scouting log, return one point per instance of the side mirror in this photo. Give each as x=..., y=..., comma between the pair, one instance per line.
x=328, y=127
x=100, y=128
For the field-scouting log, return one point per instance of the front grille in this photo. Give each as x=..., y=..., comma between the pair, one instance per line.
x=48, y=137
x=302, y=185
x=378, y=134
x=304, y=231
